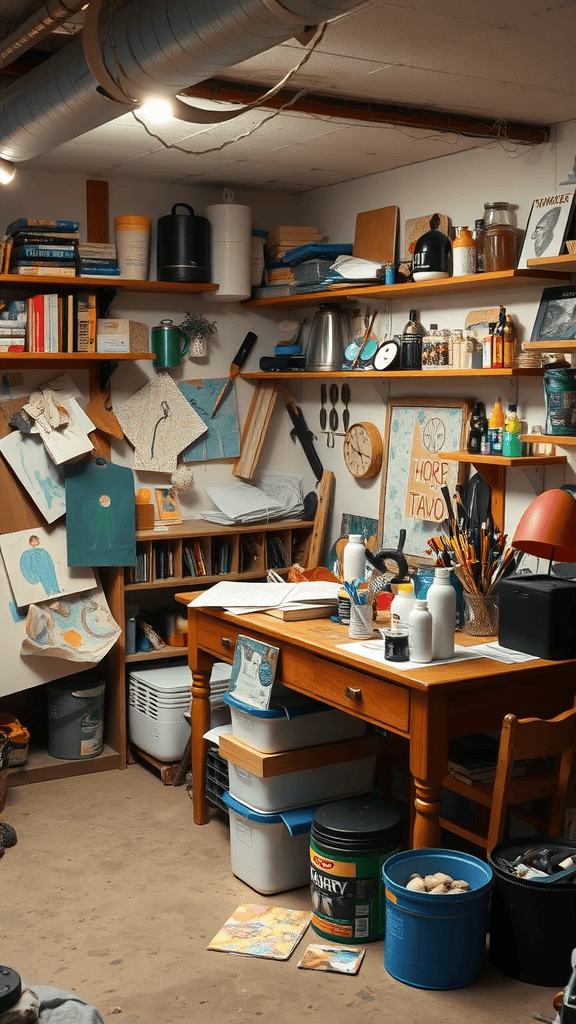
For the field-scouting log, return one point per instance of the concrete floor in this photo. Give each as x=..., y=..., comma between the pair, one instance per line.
x=113, y=893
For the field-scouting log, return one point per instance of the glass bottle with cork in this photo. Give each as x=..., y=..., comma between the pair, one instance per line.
x=477, y=429
x=411, y=346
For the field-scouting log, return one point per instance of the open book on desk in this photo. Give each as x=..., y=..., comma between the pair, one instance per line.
x=240, y=597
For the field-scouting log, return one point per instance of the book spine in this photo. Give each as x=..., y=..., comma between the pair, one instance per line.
x=38, y=305
x=86, y=322
x=52, y=271
x=31, y=222
x=43, y=252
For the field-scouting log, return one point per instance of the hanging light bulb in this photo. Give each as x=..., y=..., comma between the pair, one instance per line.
x=156, y=109
x=7, y=171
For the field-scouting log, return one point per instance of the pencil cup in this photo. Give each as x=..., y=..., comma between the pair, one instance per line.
x=361, y=625
x=480, y=614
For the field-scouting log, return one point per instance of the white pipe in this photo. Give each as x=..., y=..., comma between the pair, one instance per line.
x=161, y=46
x=40, y=24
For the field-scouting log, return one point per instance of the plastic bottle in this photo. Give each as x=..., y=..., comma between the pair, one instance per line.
x=402, y=604
x=512, y=434
x=420, y=632
x=463, y=253
x=478, y=427
x=495, y=427
x=442, y=604
x=354, y=559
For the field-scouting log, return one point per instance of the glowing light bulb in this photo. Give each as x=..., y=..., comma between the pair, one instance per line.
x=7, y=171
x=156, y=109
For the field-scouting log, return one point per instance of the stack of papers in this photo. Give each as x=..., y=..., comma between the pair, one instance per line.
x=241, y=598
x=244, y=503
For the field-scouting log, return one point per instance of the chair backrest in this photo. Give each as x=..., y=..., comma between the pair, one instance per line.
x=526, y=739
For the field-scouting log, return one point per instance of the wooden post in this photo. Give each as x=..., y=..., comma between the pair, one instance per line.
x=97, y=211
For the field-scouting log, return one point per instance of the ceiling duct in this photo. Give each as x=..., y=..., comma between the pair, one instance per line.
x=161, y=47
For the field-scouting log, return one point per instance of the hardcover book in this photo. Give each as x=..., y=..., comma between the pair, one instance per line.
x=253, y=671
x=46, y=225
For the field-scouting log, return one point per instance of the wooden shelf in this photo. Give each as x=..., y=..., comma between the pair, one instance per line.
x=530, y=371
x=504, y=460
x=561, y=439
x=553, y=345
x=91, y=283
x=41, y=767
x=43, y=360
x=565, y=263
x=415, y=289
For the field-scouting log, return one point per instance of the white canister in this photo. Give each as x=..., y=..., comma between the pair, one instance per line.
x=402, y=605
x=133, y=246
x=354, y=558
x=231, y=250
x=420, y=632
x=441, y=598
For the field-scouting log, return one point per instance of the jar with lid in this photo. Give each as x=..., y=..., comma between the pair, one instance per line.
x=463, y=252
x=435, y=354
x=501, y=238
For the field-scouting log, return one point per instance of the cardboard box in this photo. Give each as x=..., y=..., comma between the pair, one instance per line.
x=121, y=336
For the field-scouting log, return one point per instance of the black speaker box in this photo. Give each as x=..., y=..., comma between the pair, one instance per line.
x=538, y=616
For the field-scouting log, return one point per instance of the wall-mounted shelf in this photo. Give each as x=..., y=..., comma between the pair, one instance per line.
x=42, y=360
x=565, y=263
x=531, y=371
x=493, y=469
x=561, y=439
x=414, y=289
x=92, y=283
x=553, y=345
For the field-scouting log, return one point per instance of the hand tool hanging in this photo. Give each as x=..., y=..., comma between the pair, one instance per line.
x=235, y=367
x=304, y=435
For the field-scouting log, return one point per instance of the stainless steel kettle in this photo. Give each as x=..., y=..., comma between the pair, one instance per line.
x=327, y=339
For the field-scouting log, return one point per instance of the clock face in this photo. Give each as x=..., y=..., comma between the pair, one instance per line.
x=433, y=434
x=387, y=355
x=363, y=450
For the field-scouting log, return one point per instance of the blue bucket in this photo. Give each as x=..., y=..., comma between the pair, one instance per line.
x=436, y=941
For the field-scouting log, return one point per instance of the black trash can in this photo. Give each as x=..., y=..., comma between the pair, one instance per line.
x=532, y=926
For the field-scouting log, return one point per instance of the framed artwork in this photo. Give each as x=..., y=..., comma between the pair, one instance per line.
x=556, y=316
x=547, y=228
x=167, y=505
x=417, y=432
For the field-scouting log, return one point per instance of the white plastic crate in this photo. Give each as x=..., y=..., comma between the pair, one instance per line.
x=271, y=730
x=296, y=789
x=270, y=852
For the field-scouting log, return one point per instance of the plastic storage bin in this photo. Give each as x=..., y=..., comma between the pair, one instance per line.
x=270, y=852
x=292, y=721
x=296, y=789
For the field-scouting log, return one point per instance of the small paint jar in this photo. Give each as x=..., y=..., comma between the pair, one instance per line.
x=396, y=646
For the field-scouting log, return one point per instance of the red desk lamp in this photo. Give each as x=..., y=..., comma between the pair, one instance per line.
x=538, y=612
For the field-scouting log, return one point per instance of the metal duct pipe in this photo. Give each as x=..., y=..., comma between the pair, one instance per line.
x=161, y=46
x=38, y=25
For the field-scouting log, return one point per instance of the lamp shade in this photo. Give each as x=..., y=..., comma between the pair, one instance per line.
x=547, y=528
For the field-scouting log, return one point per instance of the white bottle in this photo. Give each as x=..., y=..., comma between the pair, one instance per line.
x=354, y=559
x=402, y=605
x=420, y=632
x=442, y=604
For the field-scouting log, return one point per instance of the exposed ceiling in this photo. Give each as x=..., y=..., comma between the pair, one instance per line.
x=501, y=63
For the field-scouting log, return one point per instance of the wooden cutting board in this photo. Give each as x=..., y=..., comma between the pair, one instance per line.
x=375, y=235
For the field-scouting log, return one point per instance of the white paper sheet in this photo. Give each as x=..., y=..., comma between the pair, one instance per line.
x=254, y=596
x=374, y=650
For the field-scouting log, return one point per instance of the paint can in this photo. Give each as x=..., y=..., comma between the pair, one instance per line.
x=76, y=716
x=350, y=840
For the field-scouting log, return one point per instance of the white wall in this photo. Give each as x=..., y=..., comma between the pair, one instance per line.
x=457, y=185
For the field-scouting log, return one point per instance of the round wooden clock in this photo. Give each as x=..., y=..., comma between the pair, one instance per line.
x=363, y=450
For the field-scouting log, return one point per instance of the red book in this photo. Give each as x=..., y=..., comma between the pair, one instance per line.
x=38, y=323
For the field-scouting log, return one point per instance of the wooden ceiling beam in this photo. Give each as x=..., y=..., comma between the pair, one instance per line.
x=372, y=112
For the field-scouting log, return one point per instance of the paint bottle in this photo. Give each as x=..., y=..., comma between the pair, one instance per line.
x=512, y=434
x=477, y=429
x=495, y=427
x=420, y=632
x=442, y=605
x=402, y=604
x=354, y=559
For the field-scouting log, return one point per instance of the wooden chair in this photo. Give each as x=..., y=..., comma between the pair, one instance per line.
x=522, y=739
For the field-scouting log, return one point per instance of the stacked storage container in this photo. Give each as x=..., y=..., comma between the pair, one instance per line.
x=283, y=762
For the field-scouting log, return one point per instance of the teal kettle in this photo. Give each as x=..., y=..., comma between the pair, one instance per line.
x=169, y=344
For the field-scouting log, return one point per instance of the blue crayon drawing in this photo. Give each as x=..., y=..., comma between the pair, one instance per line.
x=36, y=566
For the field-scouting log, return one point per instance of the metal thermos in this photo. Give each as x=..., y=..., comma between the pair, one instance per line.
x=327, y=340
x=183, y=246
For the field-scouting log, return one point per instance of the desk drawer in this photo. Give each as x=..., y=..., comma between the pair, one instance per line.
x=376, y=700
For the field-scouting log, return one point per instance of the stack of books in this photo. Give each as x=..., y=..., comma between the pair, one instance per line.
x=282, y=239
x=41, y=248
x=98, y=259
x=473, y=759
x=13, y=331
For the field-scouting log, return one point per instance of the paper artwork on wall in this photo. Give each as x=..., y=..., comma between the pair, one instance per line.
x=222, y=439
x=27, y=457
x=36, y=564
x=19, y=673
x=76, y=628
x=159, y=423
x=60, y=420
x=102, y=530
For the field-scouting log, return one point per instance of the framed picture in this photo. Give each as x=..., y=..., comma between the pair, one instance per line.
x=417, y=433
x=547, y=228
x=167, y=505
x=556, y=316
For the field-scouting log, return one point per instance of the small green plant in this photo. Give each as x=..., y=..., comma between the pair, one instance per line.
x=197, y=326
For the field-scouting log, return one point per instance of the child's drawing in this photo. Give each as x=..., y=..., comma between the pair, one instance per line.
x=29, y=460
x=35, y=561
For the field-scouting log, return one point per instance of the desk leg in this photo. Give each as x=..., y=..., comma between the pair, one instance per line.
x=428, y=764
x=200, y=725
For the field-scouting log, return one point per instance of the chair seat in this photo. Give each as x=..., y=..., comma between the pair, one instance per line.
x=525, y=787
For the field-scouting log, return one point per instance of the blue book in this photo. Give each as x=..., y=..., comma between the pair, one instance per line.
x=253, y=671
x=41, y=225
x=43, y=252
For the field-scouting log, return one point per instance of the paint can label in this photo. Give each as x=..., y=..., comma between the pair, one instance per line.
x=347, y=896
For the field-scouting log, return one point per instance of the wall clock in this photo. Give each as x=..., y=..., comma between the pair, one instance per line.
x=363, y=450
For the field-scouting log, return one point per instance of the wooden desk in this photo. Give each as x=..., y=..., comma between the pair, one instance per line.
x=428, y=705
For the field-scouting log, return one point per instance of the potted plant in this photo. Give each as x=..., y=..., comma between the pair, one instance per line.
x=199, y=330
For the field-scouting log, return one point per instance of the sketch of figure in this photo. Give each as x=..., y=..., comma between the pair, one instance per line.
x=165, y=414
x=36, y=566
x=544, y=231
x=50, y=490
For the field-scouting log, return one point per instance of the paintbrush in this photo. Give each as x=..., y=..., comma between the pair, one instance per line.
x=364, y=342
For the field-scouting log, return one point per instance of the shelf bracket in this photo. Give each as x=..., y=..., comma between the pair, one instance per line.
x=496, y=477
x=535, y=477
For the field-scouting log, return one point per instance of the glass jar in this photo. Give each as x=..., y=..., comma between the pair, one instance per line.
x=500, y=240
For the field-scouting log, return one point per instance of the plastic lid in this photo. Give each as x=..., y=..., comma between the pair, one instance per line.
x=406, y=588
x=278, y=709
x=355, y=538
x=297, y=820
x=10, y=988
x=442, y=573
x=361, y=822
x=422, y=603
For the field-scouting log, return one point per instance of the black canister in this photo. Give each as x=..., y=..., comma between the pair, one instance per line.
x=183, y=246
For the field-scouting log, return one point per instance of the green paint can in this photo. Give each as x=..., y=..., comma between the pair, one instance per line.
x=350, y=840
